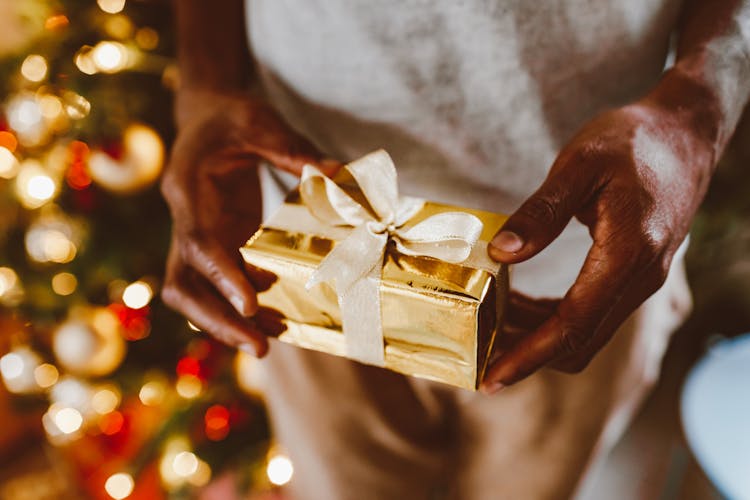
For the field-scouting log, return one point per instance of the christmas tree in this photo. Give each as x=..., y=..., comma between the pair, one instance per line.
x=134, y=400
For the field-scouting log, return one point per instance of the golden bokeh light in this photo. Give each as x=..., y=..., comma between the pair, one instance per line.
x=111, y=6
x=169, y=464
x=8, y=163
x=185, y=464
x=189, y=386
x=8, y=280
x=152, y=392
x=34, y=186
x=68, y=420
x=45, y=244
x=201, y=476
x=41, y=187
x=109, y=57
x=25, y=116
x=11, y=366
x=147, y=38
x=137, y=295
x=279, y=470
x=34, y=68
x=46, y=375
x=90, y=342
x=17, y=370
x=120, y=485
x=76, y=106
x=119, y=26
x=51, y=106
x=105, y=400
x=64, y=283
x=84, y=60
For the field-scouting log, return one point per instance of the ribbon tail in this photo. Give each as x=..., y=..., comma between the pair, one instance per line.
x=361, y=320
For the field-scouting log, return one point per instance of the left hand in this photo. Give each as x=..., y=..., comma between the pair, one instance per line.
x=635, y=176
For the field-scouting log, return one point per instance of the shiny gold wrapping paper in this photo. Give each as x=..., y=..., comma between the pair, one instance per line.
x=439, y=319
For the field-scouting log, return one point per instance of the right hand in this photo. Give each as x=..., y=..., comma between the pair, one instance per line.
x=212, y=188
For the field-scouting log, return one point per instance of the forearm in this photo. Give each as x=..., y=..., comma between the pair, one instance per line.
x=713, y=53
x=212, y=51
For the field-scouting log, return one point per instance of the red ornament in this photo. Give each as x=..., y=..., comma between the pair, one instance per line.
x=217, y=422
x=112, y=423
x=135, y=322
x=8, y=140
x=189, y=366
x=76, y=175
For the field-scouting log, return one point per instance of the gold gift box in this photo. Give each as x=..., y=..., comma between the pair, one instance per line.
x=439, y=319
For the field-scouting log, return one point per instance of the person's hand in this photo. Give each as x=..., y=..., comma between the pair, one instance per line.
x=635, y=176
x=213, y=191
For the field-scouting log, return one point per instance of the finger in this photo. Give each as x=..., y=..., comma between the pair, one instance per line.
x=543, y=216
x=223, y=272
x=604, y=278
x=523, y=315
x=270, y=138
x=509, y=335
x=294, y=163
x=524, y=312
x=261, y=279
x=190, y=294
x=270, y=322
x=648, y=281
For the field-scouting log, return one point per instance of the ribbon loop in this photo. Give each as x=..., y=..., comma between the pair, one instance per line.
x=448, y=236
x=356, y=263
x=376, y=176
x=328, y=202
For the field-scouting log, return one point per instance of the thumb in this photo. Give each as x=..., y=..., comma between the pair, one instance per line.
x=539, y=220
x=293, y=162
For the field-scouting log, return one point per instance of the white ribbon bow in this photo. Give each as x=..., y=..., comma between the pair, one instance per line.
x=355, y=264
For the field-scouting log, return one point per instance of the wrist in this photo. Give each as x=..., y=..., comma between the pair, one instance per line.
x=198, y=103
x=684, y=94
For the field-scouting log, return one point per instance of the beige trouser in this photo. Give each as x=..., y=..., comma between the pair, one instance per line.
x=358, y=432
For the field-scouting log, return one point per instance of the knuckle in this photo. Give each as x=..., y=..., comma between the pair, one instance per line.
x=170, y=187
x=171, y=295
x=574, y=366
x=662, y=272
x=572, y=339
x=540, y=209
x=578, y=365
x=650, y=245
x=192, y=247
x=657, y=276
x=223, y=336
x=213, y=271
x=166, y=184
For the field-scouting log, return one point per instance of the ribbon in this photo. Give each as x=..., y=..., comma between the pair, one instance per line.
x=355, y=264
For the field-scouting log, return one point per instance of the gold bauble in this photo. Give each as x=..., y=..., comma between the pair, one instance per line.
x=90, y=342
x=141, y=163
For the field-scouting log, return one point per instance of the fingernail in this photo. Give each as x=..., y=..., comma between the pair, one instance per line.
x=492, y=388
x=248, y=349
x=239, y=304
x=507, y=241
